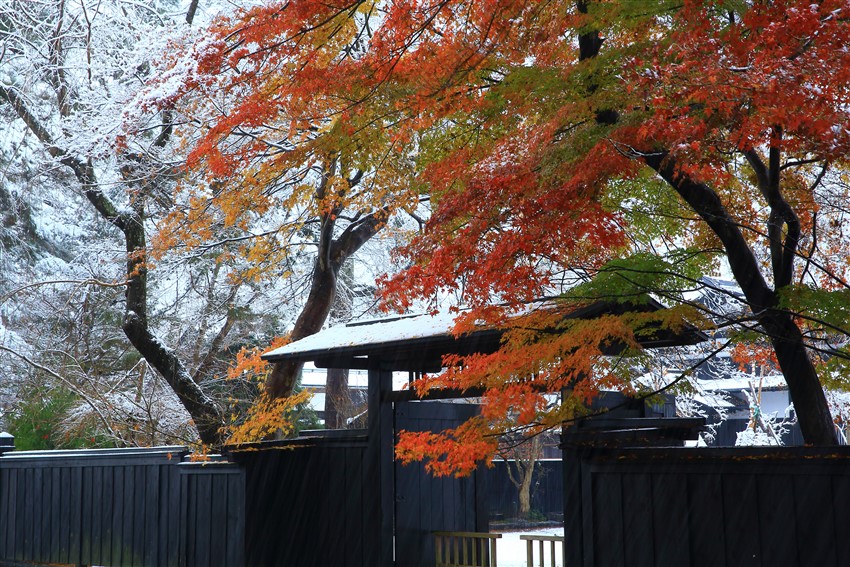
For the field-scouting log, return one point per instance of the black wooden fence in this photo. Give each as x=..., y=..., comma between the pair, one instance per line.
x=425, y=504
x=707, y=507
x=310, y=501
x=315, y=501
x=119, y=507
x=547, y=490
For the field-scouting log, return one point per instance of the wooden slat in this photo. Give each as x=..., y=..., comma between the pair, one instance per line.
x=136, y=541
x=670, y=519
x=235, y=520
x=638, y=546
x=74, y=517
x=550, y=555
x=13, y=518
x=28, y=525
x=218, y=527
x=87, y=535
x=462, y=549
x=108, y=512
x=740, y=513
x=64, y=515
x=608, y=541
x=43, y=498
x=354, y=488
x=816, y=537
x=97, y=520
x=777, y=527
x=203, y=518
x=841, y=514
x=186, y=525
x=4, y=511
x=151, y=512
x=118, y=516
x=175, y=533
x=705, y=522
x=128, y=522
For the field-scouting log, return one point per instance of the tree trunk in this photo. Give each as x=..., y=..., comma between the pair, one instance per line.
x=337, y=399
x=806, y=390
x=787, y=340
x=521, y=472
x=807, y=393
x=284, y=376
x=332, y=254
x=206, y=414
x=525, y=494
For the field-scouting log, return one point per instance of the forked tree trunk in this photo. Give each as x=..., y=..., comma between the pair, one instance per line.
x=332, y=254
x=785, y=336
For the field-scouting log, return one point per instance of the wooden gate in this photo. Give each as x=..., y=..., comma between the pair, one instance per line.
x=425, y=504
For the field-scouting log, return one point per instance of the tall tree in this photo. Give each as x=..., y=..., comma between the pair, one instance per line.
x=68, y=69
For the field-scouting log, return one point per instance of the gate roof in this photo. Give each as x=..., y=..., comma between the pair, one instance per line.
x=418, y=342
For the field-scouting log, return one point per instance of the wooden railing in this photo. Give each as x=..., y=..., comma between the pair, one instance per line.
x=465, y=549
x=541, y=540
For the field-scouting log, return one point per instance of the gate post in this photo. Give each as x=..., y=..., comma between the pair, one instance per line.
x=380, y=462
x=7, y=442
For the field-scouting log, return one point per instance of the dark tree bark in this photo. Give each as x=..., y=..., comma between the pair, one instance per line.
x=520, y=463
x=332, y=253
x=206, y=414
x=337, y=399
x=785, y=336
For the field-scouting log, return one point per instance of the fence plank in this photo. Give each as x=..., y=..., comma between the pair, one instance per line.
x=638, y=546
x=778, y=522
x=740, y=512
x=670, y=518
x=816, y=528
x=608, y=541
x=93, y=485
x=708, y=538
x=83, y=507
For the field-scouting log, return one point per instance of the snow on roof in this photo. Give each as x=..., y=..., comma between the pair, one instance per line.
x=419, y=342
x=371, y=332
x=772, y=382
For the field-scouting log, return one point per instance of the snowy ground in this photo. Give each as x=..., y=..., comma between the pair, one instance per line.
x=511, y=551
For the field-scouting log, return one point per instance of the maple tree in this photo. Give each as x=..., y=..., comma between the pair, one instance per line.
x=723, y=119
x=618, y=147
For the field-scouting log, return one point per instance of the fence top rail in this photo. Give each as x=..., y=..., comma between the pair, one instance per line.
x=351, y=438
x=837, y=454
x=471, y=535
x=542, y=538
x=83, y=456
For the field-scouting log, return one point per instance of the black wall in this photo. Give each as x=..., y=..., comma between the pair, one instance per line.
x=121, y=507
x=90, y=507
x=307, y=503
x=708, y=507
x=547, y=491
x=316, y=501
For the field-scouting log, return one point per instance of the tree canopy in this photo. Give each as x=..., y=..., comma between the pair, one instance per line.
x=578, y=149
